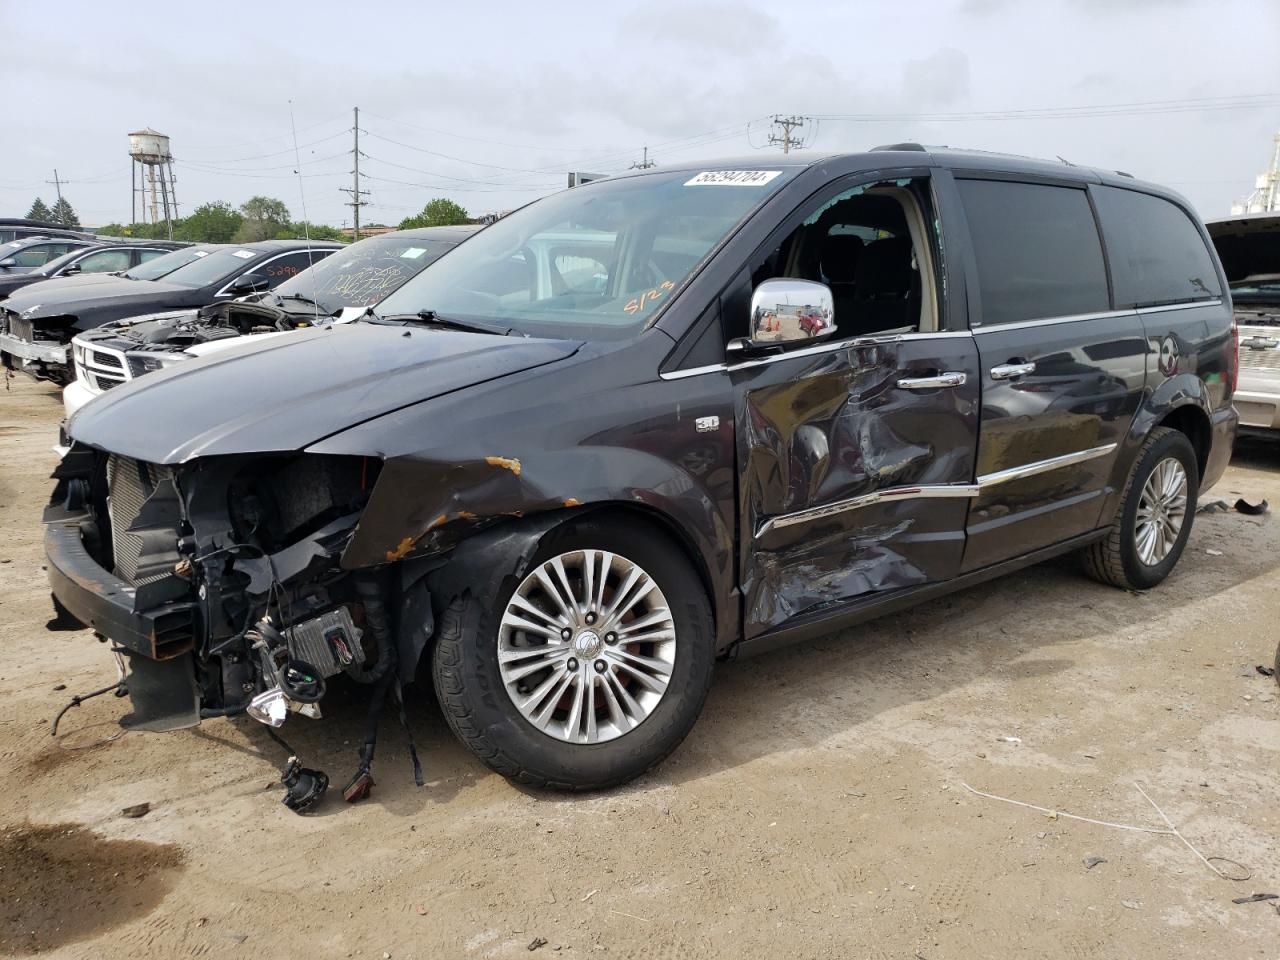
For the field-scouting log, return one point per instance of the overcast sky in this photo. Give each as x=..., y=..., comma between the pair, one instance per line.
x=491, y=103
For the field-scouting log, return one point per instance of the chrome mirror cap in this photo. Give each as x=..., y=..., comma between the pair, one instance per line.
x=791, y=311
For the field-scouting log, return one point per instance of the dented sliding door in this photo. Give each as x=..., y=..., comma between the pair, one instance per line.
x=857, y=470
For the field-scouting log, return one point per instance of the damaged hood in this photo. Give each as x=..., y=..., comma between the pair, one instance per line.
x=106, y=293
x=284, y=393
x=1248, y=246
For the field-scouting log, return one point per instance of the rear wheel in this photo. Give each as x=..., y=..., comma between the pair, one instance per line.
x=590, y=669
x=1154, y=518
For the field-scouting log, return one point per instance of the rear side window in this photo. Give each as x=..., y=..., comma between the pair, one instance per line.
x=1157, y=254
x=1037, y=250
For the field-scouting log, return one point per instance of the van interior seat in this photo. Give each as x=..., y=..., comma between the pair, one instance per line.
x=886, y=287
x=839, y=259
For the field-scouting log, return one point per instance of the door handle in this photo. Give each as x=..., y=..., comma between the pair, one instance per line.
x=1011, y=371
x=933, y=383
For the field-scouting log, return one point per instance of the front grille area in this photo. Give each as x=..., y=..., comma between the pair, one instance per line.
x=129, y=483
x=21, y=328
x=104, y=382
x=106, y=359
x=1260, y=359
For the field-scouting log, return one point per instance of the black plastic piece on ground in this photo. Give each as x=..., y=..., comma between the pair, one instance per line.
x=1252, y=509
x=303, y=788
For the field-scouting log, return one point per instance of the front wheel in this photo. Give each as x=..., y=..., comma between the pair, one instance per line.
x=590, y=669
x=1153, y=520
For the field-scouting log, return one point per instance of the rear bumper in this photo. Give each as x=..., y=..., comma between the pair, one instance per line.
x=37, y=351
x=106, y=603
x=1223, y=425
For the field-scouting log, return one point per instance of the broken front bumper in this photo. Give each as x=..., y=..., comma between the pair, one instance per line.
x=33, y=351
x=99, y=599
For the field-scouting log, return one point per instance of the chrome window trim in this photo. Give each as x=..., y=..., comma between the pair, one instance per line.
x=813, y=351
x=1103, y=315
x=934, y=491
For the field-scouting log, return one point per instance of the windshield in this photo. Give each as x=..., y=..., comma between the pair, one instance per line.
x=593, y=262
x=362, y=274
x=214, y=268
x=160, y=266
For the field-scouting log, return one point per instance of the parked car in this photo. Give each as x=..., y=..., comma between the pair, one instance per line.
x=1249, y=248
x=338, y=289
x=571, y=499
x=113, y=257
x=21, y=257
x=20, y=228
x=40, y=320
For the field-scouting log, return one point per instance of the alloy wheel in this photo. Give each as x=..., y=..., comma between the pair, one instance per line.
x=1162, y=509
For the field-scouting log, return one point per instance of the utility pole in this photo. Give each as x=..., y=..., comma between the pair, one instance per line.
x=646, y=163
x=56, y=183
x=356, y=201
x=787, y=124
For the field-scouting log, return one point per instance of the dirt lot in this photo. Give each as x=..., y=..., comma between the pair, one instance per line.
x=816, y=810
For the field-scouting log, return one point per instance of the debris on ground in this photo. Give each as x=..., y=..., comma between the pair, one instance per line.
x=1212, y=506
x=1252, y=509
x=1257, y=898
x=1213, y=553
x=1009, y=739
x=136, y=811
x=1265, y=670
x=1091, y=862
x=537, y=942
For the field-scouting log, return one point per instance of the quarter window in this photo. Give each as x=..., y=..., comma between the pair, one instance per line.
x=1157, y=254
x=1037, y=250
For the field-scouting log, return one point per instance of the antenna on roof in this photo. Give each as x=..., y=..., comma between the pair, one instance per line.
x=306, y=224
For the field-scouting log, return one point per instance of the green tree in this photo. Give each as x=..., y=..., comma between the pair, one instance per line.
x=264, y=217
x=440, y=212
x=316, y=231
x=63, y=214
x=216, y=222
x=39, y=211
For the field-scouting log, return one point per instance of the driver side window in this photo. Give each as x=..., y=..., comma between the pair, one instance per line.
x=873, y=245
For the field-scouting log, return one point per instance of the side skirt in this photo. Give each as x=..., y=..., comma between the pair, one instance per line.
x=809, y=626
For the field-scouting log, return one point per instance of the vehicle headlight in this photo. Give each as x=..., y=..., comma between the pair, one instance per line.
x=140, y=363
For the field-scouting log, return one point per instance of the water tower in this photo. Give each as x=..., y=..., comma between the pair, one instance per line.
x=150, y=151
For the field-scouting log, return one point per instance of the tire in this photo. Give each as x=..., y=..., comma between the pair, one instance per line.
x=478, y=701
x=1118, y=558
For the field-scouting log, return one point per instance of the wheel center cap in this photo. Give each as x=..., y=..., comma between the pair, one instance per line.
x=587, y=644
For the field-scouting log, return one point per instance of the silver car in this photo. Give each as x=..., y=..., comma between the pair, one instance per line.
x=1249, y=247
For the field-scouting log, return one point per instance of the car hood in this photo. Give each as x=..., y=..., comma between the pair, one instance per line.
x=277, y=394
x=58, y=296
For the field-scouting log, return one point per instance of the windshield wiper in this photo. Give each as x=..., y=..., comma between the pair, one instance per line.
x=433, y=318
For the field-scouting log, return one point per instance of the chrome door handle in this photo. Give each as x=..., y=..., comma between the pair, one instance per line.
x=932, y=383
x=1010, y=371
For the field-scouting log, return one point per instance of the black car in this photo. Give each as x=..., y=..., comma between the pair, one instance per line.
x=19, y=258
x=20, y=228
x=38, y=322
x=112, y=257
x=336, y=290
x=649, y=422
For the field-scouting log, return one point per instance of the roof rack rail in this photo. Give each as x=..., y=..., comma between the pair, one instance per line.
x=915, y=147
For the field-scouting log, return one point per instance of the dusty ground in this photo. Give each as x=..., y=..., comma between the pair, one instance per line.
x=816, y=810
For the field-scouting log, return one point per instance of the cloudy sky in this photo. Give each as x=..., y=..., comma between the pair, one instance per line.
x=492, y=103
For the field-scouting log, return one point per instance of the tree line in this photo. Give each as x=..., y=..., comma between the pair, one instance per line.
x=258, y=218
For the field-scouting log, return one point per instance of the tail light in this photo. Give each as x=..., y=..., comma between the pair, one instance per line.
x=1233, y=358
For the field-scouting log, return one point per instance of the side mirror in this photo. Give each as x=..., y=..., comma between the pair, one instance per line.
x=8, y=262
x=249, y=283
x=68, y=271
x=790, y=311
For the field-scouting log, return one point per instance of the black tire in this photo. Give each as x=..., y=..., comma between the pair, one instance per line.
x=482, y=715
x=1115, y=559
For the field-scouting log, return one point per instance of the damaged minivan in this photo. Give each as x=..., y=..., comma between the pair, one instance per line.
x=647, y=423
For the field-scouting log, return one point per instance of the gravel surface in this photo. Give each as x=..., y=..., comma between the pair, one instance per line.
x=817, y=809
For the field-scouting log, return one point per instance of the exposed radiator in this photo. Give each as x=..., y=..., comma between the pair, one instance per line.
x=129, y=484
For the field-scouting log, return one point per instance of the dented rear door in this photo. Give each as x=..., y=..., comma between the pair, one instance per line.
x=853, y=481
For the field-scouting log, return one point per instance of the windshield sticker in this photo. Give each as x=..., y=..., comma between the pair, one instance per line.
x=201, y=253
x=413, y=253
x=244, y=254
x=732, y=178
